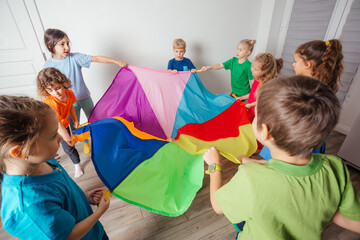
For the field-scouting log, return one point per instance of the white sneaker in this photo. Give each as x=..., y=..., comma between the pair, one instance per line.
x=78, y=171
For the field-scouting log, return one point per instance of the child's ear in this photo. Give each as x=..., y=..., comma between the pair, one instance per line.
x=264, y=133
x=15, y=151
x=309, y=64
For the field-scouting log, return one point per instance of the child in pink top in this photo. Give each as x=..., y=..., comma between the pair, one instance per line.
x=263, y=68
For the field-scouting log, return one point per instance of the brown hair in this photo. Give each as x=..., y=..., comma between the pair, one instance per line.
x=327, y=57
x=249, y=43
x=270, y=66
x=21, y=121
x=305, y=112
x=179, y=43
x=47, y=77
x=51, y=37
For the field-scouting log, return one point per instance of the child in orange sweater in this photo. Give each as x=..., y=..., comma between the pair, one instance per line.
x=53, y=86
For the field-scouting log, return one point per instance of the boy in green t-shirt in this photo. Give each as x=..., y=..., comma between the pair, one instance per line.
x=296, y=194
x=240, y=68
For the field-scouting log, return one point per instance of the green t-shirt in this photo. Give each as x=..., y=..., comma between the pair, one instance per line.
x=284, y=201
x=240, y=75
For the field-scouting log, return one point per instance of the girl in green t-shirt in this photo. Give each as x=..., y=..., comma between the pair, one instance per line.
x=240, y=68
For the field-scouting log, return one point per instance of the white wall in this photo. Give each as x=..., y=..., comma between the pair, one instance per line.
x=141, y=32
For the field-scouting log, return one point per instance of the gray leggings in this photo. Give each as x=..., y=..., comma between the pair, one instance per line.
x=70, y=151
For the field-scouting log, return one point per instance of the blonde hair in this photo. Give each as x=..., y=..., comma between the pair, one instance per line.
x=179, y=43
x=47, y=77
x=21, y=121
x=270, y=66
x=249, y=43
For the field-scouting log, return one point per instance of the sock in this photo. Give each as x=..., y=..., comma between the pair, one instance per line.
x=87, y=147
x=78, y=171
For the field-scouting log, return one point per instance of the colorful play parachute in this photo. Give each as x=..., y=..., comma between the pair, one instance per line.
x=141, y=109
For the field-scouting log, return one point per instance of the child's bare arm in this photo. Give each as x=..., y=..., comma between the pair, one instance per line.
x=65, y=135
x=215, y=67
x=212, y=156
x=244, y=159
x=243, y=97
x=102, y=59
x=346, y=223
x=83, y=227
x=250, y=105
x=74, y=118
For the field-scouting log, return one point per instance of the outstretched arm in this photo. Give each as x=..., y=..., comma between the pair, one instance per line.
x=215, y=67
x=102, y=59
x=346, y=223
x=212, y=156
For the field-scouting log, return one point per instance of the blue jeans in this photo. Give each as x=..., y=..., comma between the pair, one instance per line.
x=87, y=105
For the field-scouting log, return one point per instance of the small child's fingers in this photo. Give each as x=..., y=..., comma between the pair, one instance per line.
x=97, y=194
x=103, y=204
x=57, y=157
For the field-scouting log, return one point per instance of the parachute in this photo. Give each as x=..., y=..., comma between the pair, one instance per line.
x=132, y=123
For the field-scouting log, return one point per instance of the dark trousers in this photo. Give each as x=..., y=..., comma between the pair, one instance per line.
x=70, y=151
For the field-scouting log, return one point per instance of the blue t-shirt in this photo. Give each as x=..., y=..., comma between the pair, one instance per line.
x=44, y=206
x=182, y=65
x=71, y=66
x=265, y=152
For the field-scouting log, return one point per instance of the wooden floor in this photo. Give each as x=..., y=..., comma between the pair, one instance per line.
x=126, y=221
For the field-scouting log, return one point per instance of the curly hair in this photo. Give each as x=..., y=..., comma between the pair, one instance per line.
x=270, y=66
x=327, y=57
x=47, y=77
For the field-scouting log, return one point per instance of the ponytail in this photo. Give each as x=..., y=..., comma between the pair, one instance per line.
x=331, y=66
x=279, y=64
x=327, y=56
x=270, y=66
x=249, y=43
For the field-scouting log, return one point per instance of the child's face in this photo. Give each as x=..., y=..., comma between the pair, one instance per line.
x=48, y=142
x=242, y=51
x=57, y=90
x=256, y=69
x=179, y=53
x=62, y=48
x=300, y=66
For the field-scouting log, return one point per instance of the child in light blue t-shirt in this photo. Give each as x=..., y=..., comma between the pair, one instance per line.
x=70, y=64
